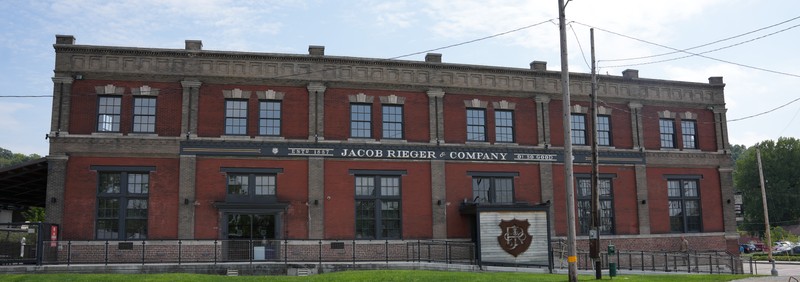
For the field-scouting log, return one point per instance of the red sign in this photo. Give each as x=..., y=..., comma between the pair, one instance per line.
x=53, y=235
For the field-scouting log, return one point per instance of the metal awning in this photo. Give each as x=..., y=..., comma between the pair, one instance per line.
x=24, y=185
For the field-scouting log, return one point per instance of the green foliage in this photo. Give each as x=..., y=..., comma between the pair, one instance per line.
x=8, y=158
x=765, y=257
x=781, y=166
x=737, y=151
x=34, y=214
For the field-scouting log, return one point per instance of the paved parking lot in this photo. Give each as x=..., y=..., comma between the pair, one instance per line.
x=787, y=271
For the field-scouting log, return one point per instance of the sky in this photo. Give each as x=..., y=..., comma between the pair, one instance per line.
x=750, y=43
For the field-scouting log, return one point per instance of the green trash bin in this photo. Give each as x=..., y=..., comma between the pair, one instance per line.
x=612, y=269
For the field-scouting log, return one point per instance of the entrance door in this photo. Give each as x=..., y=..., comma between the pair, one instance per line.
x=251, y=236
x=251, y=226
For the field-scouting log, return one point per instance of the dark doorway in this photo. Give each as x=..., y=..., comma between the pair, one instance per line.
x=251, y=236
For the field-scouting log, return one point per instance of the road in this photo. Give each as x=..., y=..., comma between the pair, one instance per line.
x=786, y=271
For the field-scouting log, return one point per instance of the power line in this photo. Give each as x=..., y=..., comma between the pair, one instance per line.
x=472, y=41
x=387, y=59
x=693, y=54
x=705, y=52
x=579, y=46
x=765, y=112
x=707, y=44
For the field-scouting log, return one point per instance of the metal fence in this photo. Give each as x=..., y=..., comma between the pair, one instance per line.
x=19, y=242
x=214, y=251
x=690, y=262
x=353, y=251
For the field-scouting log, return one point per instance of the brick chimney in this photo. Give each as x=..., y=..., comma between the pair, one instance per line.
x=65, y=39
x=433, y=58
x=194, y=45
x=316, y=50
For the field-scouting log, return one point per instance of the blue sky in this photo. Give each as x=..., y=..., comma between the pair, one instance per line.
x=386, y=29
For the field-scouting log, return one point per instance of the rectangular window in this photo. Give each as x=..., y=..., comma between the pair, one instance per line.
x=689, y=133
x=578, y=134
x=122, y=200
x=269, y=118
x=603, y=130
x=392, y=122
x=504, y=126
x=361, y=120
x=476, y=125
x=667, y=128
x=684, y=205
x=144, y=115
x=585, y=205
x=493, y=189
x=236, y=117
x=251, y=187
x=108, y=111
x=377, y=199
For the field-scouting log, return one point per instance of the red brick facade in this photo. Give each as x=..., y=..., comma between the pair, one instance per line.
x=316, y=195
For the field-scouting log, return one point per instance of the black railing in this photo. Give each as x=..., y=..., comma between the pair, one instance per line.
x=355, y=251
x=214, y=251
x=688, y=262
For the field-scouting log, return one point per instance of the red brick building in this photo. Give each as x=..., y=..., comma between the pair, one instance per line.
x=195, y=144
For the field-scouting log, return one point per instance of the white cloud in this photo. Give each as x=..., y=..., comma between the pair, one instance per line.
x=9, y=120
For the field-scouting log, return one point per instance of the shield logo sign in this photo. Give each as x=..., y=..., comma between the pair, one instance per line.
x=514, y=238
x=274, y=151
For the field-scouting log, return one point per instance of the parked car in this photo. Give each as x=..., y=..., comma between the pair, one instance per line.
x=795, y=250
x=782, y=248
x=747, y=248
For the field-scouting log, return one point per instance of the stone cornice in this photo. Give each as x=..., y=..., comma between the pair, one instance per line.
x=109, y=62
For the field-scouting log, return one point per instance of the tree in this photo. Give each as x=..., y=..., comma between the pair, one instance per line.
x=737, y=151
x=34, y=214
x=781, y=166
x=8, y=158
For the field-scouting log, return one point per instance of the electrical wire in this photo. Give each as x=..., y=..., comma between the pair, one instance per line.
x=579, y=46
x=691, y=53
x=707, y=44
x=582, y=52
x=765, y=112
x=790, y=121
x=705, y=52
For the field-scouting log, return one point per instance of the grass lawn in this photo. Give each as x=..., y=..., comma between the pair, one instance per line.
x=374, y=275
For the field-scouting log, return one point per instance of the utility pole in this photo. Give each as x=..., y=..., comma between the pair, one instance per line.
x=594, y=241
x=572, y=251
x=774, y=271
